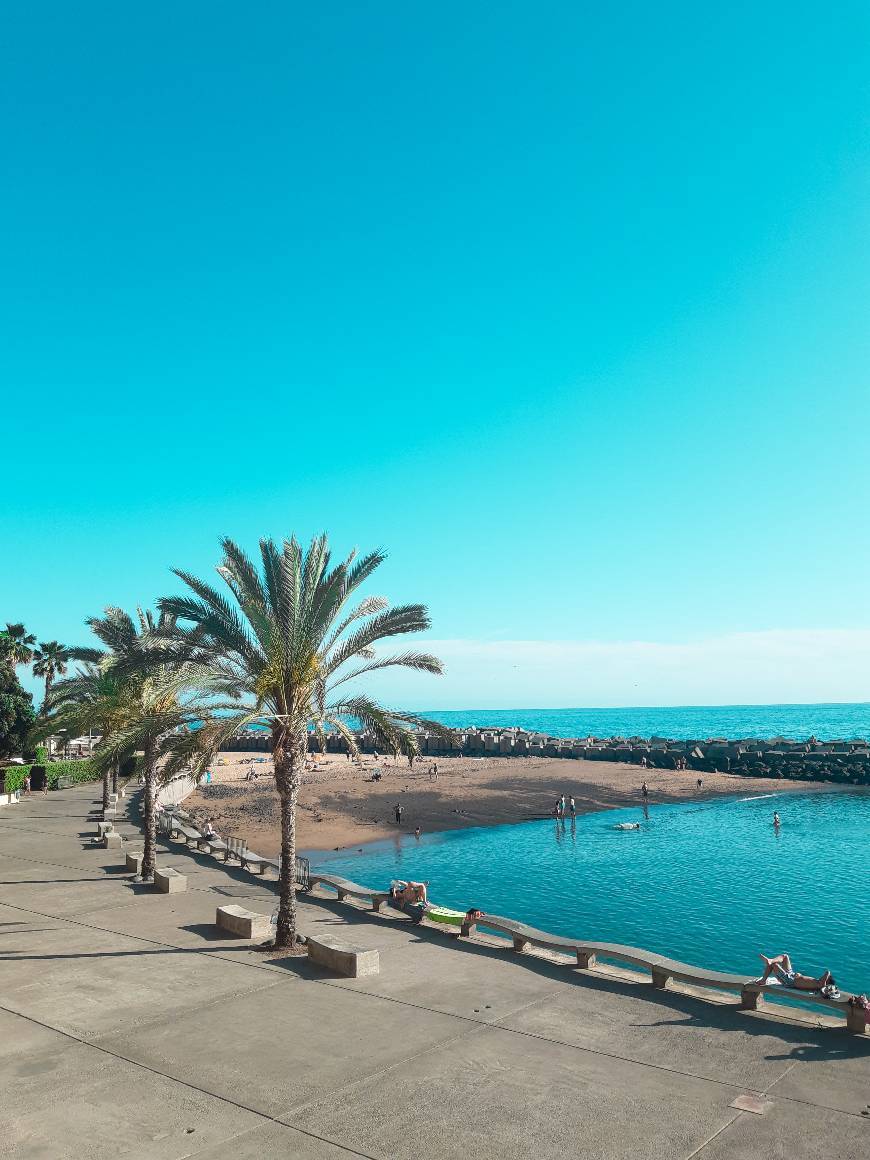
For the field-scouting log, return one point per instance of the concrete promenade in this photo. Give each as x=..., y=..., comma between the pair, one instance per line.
x=130, y=1027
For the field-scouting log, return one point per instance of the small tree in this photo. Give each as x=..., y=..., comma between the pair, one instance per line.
x=16, y=713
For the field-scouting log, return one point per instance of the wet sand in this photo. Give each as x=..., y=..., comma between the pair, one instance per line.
x=341, y=807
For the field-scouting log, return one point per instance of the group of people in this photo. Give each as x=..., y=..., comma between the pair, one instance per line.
x=27, y=789
x=564, y=807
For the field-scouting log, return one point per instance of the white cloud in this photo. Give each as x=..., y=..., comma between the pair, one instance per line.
x=770, y=667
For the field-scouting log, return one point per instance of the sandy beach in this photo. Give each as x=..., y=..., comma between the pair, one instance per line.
x=340, y=806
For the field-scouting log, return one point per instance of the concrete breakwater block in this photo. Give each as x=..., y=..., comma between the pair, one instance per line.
x=244, y=923
x=343, y=957
x=112, y=840
x=133, y=861
x=170, y=881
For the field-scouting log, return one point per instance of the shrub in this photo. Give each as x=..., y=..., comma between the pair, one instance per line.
x=79, y=771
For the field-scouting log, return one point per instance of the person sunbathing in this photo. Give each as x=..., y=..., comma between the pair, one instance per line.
x=780, y=968
x=410, y=897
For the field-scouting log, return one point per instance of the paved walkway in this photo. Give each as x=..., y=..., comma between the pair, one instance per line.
x=128, y=1026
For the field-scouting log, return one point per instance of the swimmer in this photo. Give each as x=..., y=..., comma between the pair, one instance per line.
x=776, y=820
x=627, y=826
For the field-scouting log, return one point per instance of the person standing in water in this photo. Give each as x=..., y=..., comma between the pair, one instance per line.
x=776, y=820
x=572, y=807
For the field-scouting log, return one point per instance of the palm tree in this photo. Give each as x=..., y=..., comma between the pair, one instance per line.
x=17, y=647
x=94, y=698
x=286, y=644
x=50, y=661
x=156, y=709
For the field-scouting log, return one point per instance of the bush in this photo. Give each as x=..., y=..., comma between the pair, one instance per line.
x=79, y=771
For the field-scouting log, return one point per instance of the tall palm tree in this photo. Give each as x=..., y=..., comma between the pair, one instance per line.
x=286, y=643
x=17, y=647
x=50, y=661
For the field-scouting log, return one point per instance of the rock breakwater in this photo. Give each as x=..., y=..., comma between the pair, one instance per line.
x=847, y=762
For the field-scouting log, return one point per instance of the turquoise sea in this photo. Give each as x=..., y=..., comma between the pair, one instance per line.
x=798, y=722
x=711, y=883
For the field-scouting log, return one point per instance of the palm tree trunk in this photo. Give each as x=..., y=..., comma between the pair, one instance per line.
x=289, y=756
x=106, y=788
x=150, y=813
x=47, y=691
x=115, y=777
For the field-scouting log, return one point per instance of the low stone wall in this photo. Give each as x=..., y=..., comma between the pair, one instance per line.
x=814, y=760
x=174, y=791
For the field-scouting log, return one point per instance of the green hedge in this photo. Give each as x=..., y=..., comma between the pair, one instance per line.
x=78, y=770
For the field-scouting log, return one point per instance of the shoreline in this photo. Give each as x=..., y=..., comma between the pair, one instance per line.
x=341, y=808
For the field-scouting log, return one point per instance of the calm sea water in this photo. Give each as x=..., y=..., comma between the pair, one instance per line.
x=710, y=883
x=692, y=721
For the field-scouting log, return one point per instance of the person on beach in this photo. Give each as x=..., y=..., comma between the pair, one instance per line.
x=417, y=832
x=209, y=831
x=644, y=790
x=557, y=809
x=399, y=811
x=700, y=783
x=780, y=967
x=572, y=807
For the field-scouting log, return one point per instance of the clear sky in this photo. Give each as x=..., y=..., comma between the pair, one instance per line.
x=566, y=306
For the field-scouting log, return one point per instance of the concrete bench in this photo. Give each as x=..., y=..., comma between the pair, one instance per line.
x=170, y=881
x=103, y=827
x=344, y=958
x=65, y=782
x=191, y=837
x=244, y=923
x=662, y=970
x=347, y=889
x=112, y=840
x=218, y=848
x=252, y=861
x=133, y=861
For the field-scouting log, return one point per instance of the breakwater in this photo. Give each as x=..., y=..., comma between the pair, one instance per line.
x=813, y=760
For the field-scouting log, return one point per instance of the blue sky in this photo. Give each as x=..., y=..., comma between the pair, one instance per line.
x=565, y=308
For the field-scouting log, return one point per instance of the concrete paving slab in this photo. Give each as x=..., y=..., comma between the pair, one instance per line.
x=837, y=1078
x=63, y=899
x=276, y=1048
x=17, y=870
x=787, y=1130
x=22, y=1041
x=478, y=985
x=81, y=1102
x=274, y=1142
x=494, y=1093
x=90, y=982
x=636, y=1022
x=15, y=919
x=187, y=921
x=369, y=930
